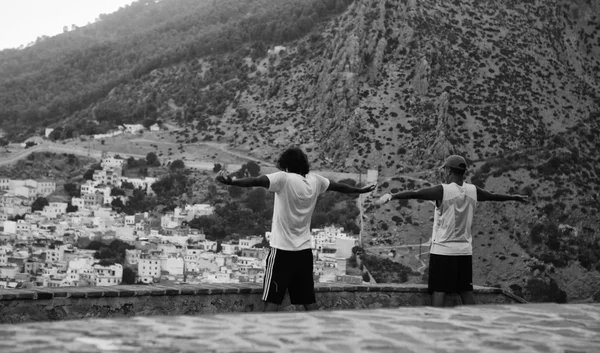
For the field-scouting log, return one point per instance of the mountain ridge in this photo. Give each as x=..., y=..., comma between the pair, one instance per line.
x=397, y=86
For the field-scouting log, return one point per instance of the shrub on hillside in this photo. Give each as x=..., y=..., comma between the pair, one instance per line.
x=478, y=180
x=111, y=253
x=177, y=164
x=527, y=190
x=39, y=204
x=385, y=270
x=538, y=290
x=485, y=168
x=535, y=234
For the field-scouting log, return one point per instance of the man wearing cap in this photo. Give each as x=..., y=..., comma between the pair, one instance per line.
x=450, y=261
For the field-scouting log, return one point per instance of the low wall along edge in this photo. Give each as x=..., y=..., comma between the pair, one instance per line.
x=68, y=303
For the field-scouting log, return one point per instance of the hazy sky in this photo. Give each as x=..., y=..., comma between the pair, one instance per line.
x=22, y=21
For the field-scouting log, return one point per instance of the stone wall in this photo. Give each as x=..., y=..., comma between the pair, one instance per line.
x=49, y=304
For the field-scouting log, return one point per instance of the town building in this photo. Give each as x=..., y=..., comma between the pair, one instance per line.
x=149, y=269
x=108, y=275
x=108, y=177
x=112, y=162
x=55, y=209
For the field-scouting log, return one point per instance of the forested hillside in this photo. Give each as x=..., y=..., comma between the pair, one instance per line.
x=58, y=77
x=393, y=85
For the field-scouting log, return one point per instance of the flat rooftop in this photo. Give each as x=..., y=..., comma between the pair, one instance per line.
x=484, y=328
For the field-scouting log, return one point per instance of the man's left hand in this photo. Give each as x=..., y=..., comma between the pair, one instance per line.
x=224, y=178
x=368, y=188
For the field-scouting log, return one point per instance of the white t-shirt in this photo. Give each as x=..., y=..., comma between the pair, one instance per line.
x=295, y=200
x=452, y=220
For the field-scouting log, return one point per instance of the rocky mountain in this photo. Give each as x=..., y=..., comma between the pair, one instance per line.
x=397, y=85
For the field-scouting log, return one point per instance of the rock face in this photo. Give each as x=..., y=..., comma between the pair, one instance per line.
x=403, y=85
x=421, y=79
x=445, y=122
x=441, y=147
x=466, y=61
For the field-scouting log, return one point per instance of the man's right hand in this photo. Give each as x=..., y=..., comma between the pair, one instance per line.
x=384, y=199
x=521, y=198
x=368, y=188
x=224, y=178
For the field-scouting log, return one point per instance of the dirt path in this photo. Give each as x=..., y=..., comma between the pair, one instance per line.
x=95, y=151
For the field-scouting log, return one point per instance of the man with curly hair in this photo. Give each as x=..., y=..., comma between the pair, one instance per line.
x=289, y=265
x=451, y=253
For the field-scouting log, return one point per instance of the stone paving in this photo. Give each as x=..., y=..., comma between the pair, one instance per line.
x=568, y=328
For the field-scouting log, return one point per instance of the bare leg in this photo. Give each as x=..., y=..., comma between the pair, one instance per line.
x=467, y=298
x=310, y=307
x=437, y=299
x=270, y=307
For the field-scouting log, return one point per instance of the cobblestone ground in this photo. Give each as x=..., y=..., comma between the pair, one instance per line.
x=505, y=328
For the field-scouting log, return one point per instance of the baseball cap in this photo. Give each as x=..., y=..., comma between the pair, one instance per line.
x=456, y=162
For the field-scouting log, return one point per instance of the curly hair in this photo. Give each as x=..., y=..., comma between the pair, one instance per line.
x=294, y=160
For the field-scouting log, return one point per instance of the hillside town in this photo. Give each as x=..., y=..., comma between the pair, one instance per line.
x=54, y=246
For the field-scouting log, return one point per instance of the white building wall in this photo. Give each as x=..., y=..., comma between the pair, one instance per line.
x=149, y=268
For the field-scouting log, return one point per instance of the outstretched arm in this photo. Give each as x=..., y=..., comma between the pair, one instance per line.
x=261, y=181
x=433, y=193
x=484, y=195
x=347, y=189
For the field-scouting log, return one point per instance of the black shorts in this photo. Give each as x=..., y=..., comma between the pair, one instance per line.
x=450, y=274
x=291, y=271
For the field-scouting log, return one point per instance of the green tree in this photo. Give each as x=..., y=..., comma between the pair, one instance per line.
x=539, y=290
x=152, y=159
x=129, y=276
x=171, y=185
x=253, y=169
x=357, y=250
x=39, y=204
x=117, y=204
x=72, y=189
x=385, y=270
x=235, y=191
x=318, y=220
x=365, y=277
x=256, y=200
x=114, y=252
x=117, y=192
x=105, y=253
x=177, y=164
x=127, y=185
x=212, y=192
x=89, y=174
x=148, y=122
x=95, y=245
